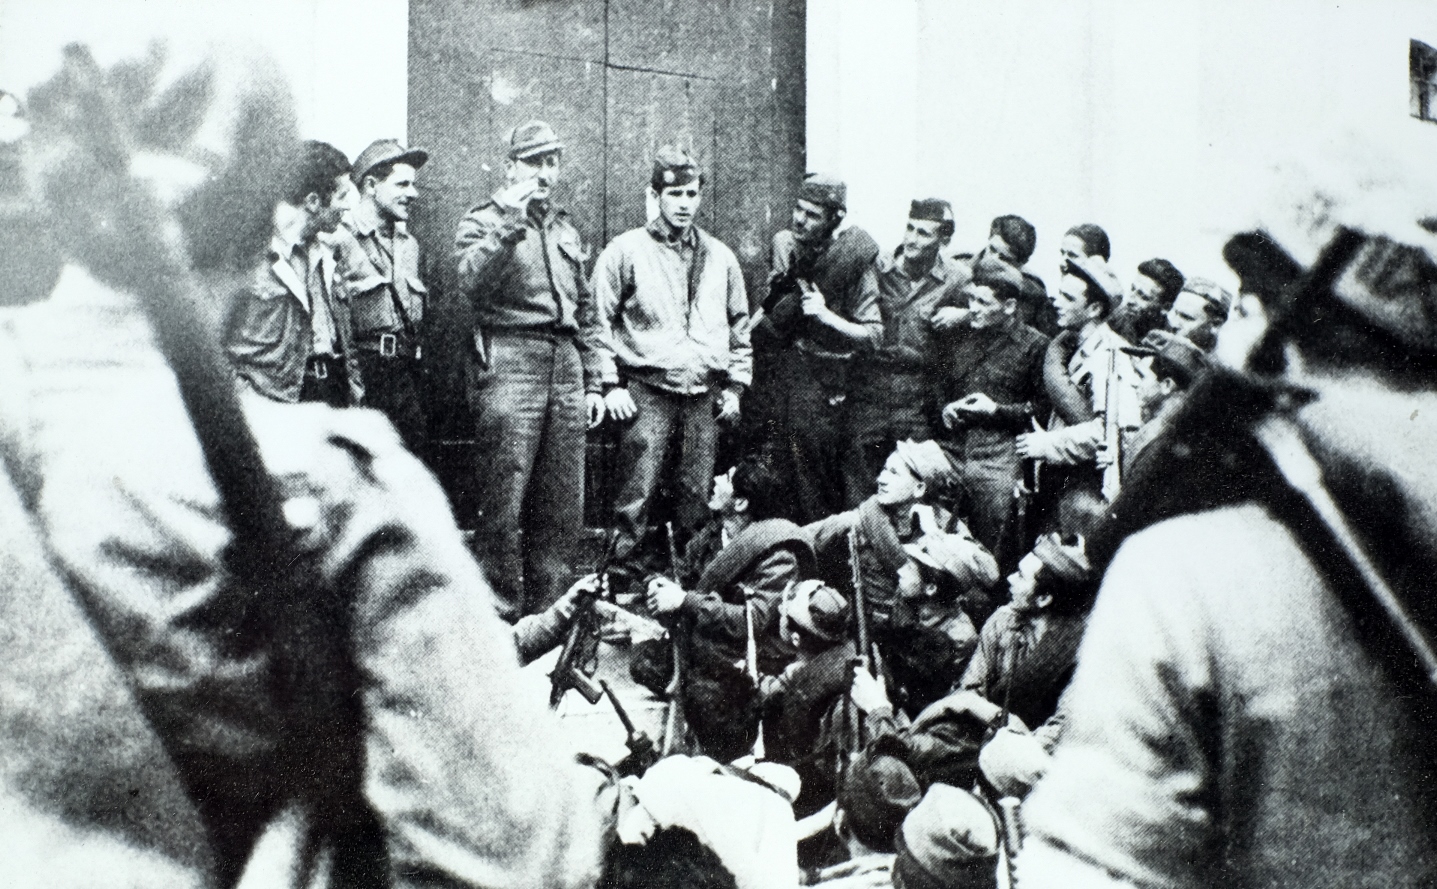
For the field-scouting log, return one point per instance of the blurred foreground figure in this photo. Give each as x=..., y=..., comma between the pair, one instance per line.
x=243, y=641
x=1253, y=702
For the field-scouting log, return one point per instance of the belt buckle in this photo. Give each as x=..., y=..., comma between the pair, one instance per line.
x=321, y=369
x=388, y=345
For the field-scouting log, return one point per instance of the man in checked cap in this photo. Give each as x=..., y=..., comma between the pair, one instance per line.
x=521, y=266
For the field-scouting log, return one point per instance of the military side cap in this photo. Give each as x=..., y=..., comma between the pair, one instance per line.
x=818, y=608
x=927, y=462
x=1178, y=357
x=931, y=210
x=950, y=553
x=949, y=840
x=1069, y=562
x=824, y=190
x=384, y=151
x=1210, y=291
x=532, y=139
x=674, y=167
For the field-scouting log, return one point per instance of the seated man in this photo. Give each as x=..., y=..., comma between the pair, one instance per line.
x=945, y=587
x=1027, y=649
x=761, y=556
x=948, y=841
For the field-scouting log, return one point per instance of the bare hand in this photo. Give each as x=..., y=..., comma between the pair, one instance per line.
x=594, y=405
x=665, y=596
x=814, y=303
x=568, y=604
x=517, y=194
x=727, y=406
x=949, y=318
x=1026, y=444
x=620, y=404
x=868, y=693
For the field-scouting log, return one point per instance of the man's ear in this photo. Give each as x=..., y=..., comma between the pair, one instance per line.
x=1010, y=307
x=740, y=504
x=1043, y=600
x=312, y=203
x=919, y=490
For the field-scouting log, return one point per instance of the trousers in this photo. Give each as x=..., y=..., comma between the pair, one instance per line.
x=664, y=419
x=528, y=406
x=392, y=386
x=886, y=407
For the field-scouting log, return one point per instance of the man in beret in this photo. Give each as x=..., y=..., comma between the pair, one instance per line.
x=820, y=311
x=379, y=271
x=1198, y=311
x=987, y=386
x=1093, y=388
x=886, y=402
x=288, y=333
x=674, y=353
x=1147, y=300
x=533, y=374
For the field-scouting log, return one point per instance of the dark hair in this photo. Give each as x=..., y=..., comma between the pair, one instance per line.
x=381, y=172
x=1018, y=233
x=1069, y=596
x=316, y=169
x=1095, y=240
x=1167, y=277
x=1003, y=289
x=756, y=480
x=673, y=858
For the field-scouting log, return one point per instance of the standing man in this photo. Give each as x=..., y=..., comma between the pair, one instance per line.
x=521, y=265
x=1198, y=311
x=1151, y=294
x=889, y=391
x=379, y=265
x=288, y=335
x=675, y=353
x=989, y=379
x=821, y=309
x=1012, y=239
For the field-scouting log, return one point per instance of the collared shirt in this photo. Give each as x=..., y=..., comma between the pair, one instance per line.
x=1100, y=358
x=274, y=329
x=1003, y=362
x=907, y=305
x=379, y=266
x=673, y=311
x=521, y=271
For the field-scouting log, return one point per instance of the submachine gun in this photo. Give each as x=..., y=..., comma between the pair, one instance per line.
x=579, y=658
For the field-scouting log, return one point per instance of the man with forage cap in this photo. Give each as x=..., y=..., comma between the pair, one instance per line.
x=888, y=396
x=533, y=373
x=674, y=356
x=379, y=271
x=821, y=310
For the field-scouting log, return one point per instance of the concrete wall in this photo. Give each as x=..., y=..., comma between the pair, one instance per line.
x=347, y=60
x=1159, y=121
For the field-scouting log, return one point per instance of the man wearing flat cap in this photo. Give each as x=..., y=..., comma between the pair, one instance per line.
x=820, y=311
x=674, y=353
x=379, y=271
x=534, y=358
x=1093, y=392
x=888, y=395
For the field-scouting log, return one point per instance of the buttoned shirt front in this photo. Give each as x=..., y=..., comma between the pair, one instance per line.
x=379, y=268
x=907, y=305
x=673, y=311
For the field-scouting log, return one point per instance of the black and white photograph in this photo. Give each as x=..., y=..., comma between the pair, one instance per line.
x=718, y=444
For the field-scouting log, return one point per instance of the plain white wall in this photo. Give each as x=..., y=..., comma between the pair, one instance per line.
x=346, y=60
x=1159, y=121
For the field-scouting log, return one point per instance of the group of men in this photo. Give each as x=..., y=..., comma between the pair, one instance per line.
x=282, y=666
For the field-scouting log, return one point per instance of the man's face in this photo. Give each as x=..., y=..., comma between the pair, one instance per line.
x=345, y=197
x=897, y=484
x=678, y=205
x=394, y=195
x=721, y=501
x=1145, y=295
x=542, y=168
x=810, y=221
x=1148, y=386
x=1188, y=315
x=921, y=242
x=1022, y=584
x=984, y=309
x=1072, y=249
x=999, y=248
x=1071, y=303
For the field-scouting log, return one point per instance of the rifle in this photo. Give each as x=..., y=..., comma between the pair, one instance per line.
x=642, y=752
x=751, y=659
x=866, y=658
x=578, y=659
x=1011, y=830
x=1112, y=432
x=673, y=710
